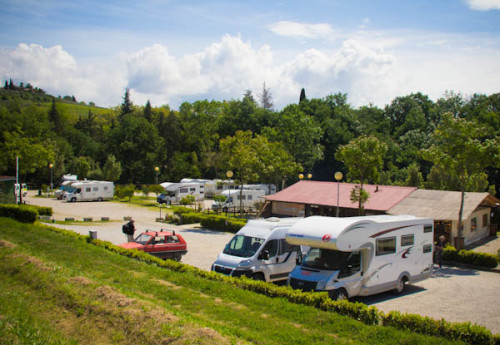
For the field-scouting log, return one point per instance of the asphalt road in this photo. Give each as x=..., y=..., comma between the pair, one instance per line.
x=454, y=294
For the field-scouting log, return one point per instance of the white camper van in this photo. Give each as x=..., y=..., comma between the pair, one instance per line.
x=259, y=251
x=174, y=192
x=362, y=255
x=91, y=190
x=66, y=188
x=236, y=198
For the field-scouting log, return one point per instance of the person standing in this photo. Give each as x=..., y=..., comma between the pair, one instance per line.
x=129, y=229
x=439, y=249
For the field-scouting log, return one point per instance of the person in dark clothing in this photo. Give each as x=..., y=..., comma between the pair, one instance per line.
x=129, y=230
x=439, y=250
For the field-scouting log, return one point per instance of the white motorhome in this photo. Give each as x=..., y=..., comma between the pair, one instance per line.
x=259, y=251
x=362, y=255
x=90, y=191
x=267, y=188
x=65, y=189
x=237, y=199
x=174, y=192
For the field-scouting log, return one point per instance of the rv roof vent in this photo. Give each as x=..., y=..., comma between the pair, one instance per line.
x=273, y=219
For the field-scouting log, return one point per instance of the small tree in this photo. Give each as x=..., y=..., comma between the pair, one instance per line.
x=266, y=98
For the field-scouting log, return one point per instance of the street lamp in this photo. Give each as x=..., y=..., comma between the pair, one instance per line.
x=157, y=171
x=50, y=167
x=229, y=175
x=338, y=177
x=309, y=176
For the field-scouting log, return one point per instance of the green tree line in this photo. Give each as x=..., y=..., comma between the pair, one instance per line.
x=415, y=141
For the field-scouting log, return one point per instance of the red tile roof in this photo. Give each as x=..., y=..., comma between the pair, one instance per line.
x=382, y=198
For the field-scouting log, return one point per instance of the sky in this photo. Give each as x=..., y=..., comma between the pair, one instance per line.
x=175, y=51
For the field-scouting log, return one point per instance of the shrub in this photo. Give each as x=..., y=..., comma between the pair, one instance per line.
x=221, y=223
x=127, y=191
x=470, y=257
x=187, y=200
x=21, y=213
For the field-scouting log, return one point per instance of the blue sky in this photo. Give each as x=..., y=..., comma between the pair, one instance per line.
x=169, y=52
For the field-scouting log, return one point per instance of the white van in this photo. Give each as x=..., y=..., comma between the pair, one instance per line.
x=239, y=198
x=65, y=189
x=362, y=255
x=91, y=190
x=259, y=251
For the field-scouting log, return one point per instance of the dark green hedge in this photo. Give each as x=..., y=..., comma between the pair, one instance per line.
x=467, y=332
x=186, y=215
x=470, y=257
x=22, y=213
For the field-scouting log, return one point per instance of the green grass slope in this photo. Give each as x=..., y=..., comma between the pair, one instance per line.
x=59, y=289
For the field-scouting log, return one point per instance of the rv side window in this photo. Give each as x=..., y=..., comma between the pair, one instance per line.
x=183, y=190
x=386, y=246
x=287, y=247
x=271, y=247
x=105, y=188
x=427, y=228
x=87, y=189
x=428, y=248
x=192, y=189
x=249, y=197
x=407, y=240
x=95, y=189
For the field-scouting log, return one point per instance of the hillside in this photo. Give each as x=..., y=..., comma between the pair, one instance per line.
x=56, y=288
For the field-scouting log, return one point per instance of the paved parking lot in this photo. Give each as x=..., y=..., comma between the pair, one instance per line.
x=455, y=294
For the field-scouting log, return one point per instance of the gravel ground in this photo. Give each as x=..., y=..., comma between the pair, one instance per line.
x=455, y=294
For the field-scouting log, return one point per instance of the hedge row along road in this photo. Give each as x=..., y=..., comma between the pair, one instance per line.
x=455, y=294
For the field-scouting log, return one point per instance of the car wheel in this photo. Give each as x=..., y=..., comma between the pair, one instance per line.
x=177, y=257
x=401, y=285
x=100, y=199
x=259, y=276
x=339, y=295
x=73, y=199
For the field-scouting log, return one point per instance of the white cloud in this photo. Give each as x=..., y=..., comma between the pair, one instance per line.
x=57, y=72
x=484, y=5
x=302, y=30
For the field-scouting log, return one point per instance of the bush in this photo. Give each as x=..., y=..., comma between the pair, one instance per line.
x=21, y=213
x=470, y=257
x=127, y=191
x=221, y=223
x=187, y=200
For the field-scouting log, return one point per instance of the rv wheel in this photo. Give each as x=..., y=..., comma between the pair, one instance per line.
x=100, y=199
x=401, y=285
x=73, y=199
x=339, y=295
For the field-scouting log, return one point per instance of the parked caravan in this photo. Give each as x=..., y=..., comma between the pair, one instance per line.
x=267, y=188
x=216, y=187
x=237, y=198
x=66, y=187
x=174, y=192
x=362, y=255
x=259, y=251
x=90, y=191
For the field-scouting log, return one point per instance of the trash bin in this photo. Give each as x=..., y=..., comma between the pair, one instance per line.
x=93, y=234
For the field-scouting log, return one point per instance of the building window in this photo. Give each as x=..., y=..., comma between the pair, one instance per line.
x=386, y=246
x=473, y=224
x=427, y=248
x=407, y=240
x=485, y=220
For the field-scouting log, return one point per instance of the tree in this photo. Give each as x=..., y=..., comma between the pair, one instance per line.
x=363, y=157
x=55, y=117
x=148, y=112
x=266, y=98
x=127, y=106
x=461, y=150
x=112, y=169
x=302, y=95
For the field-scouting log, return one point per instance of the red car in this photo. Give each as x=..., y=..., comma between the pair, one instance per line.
x=163, y=244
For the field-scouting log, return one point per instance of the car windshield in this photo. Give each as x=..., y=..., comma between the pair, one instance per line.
x=142, y=239
x=244, y=246
x=325, y=259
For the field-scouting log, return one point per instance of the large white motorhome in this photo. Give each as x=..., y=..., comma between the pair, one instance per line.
x=174, y=192
x=259, y=251
x=362, y=255
x=91, y=191
x=240, y=199
x=267, y=188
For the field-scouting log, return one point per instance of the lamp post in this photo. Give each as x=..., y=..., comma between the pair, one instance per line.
x=229, y=175
x=50, y=167
x=338, y=177
x=157, y=171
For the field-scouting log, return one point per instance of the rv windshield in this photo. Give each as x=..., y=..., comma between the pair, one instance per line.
x=243, y=246
x=325, y=259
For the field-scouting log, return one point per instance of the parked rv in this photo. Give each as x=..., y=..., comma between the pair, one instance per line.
x=91, y=190
x=259, y=251
x=245, y=199
x=362, y=255
x=65, y=189
x=267, y=188
x=174, y=192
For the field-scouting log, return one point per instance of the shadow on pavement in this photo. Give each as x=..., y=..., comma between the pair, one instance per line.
x=448, y=272
x=204, y=231
x=387, y=296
